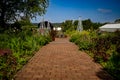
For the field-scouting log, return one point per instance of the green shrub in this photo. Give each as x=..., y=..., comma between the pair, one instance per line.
x=82, y=39
x=74, y=37
x=102, y=44
x=8, y=66
x=113, y=65
x=23, y=46
x=85, y=45
x=104, y=48
x=70, y=33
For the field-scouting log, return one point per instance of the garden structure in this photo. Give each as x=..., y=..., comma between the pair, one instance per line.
x=45, y=27
x=110, y=27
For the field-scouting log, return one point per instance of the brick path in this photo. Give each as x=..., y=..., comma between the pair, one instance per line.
x=61, y=60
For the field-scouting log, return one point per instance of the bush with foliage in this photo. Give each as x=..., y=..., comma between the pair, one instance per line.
x=113, y=65
x=82, y=39
x=104, y=48
x=23, y=46
x=7, y=64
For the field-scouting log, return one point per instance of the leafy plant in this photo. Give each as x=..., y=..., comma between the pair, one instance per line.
x=8, y=66
x=23, y=46
x=82, y=39
x=104, y=48
x=113, y=65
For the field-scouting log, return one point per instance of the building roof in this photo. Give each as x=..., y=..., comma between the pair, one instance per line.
x=117, y=26
x=110, y=28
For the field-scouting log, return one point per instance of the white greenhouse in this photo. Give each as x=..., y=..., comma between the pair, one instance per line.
x=110, y=28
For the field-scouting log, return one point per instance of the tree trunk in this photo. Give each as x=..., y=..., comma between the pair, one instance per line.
x=2, y=19
x=2, y=16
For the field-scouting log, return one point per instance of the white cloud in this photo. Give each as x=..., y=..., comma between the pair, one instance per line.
x=104, y=10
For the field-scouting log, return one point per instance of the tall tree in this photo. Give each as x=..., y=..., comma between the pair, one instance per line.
x=12, y=10
x=67, y=25
x=117, y=21
x=96, y=25
x=87, y=24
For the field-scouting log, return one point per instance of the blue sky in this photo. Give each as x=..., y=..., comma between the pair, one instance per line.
x=96, y=10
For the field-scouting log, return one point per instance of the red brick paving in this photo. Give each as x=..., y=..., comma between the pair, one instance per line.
x=61, y=60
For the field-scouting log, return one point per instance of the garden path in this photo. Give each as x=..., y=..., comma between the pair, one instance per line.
x=61, y=60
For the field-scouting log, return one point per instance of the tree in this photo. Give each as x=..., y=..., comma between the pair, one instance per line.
x=87, y=24
x=67, y=25
x=12, y=10
x=95, y=26
x=117, y=21
x=75, y=24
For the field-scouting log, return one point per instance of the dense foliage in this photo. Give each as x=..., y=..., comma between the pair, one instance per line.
x=23, y=45
x=104, y=48
x=70, y=25
x=13, y=10
x=67, y=25
x=117, y=21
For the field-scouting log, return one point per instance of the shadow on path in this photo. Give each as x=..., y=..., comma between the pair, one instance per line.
x=102, y=74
